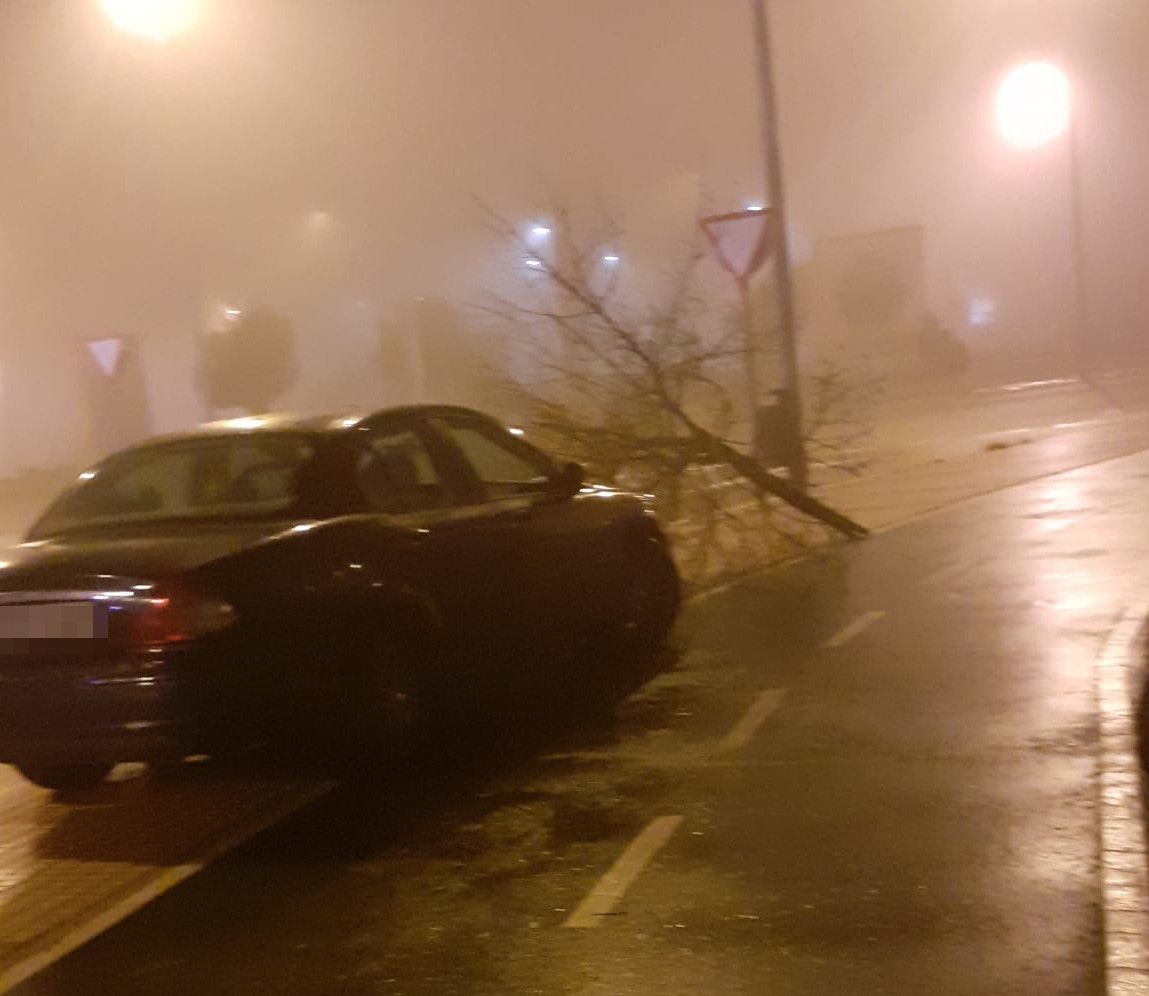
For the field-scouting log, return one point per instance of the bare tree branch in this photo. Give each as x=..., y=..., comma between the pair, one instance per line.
x=652, y=386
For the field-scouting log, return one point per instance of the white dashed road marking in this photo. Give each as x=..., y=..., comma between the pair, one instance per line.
x=609, y=890
x=856, y=628
x=743, y=731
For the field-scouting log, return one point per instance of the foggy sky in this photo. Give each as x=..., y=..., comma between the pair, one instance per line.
x=137, y=179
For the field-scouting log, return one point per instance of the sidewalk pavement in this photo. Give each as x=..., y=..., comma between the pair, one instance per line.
x=951, y=424
x=904, y=484
x=909, y=487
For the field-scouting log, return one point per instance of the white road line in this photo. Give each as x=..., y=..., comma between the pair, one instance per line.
x=858, y=626
x=164, y=882
x=1124, y=885
x=743, y=731
x=610, y=889
x=708, y=593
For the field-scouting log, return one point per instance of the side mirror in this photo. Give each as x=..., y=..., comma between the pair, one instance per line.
x=566, y=483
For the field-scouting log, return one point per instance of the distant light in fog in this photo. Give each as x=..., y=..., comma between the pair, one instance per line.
x=755, y=207
x=1033, y=105
x=156, y=20
x=232, y=313
x=610, y=259
x=533, y=263
x=319, y=222
x=981, y=311
x=540, y=231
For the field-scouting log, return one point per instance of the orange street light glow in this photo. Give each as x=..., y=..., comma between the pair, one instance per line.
x=1033, y=105
x=155, y=20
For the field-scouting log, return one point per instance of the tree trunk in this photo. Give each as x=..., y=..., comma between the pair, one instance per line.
x=772, y=484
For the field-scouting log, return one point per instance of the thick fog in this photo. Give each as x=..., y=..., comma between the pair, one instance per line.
x=325, y=159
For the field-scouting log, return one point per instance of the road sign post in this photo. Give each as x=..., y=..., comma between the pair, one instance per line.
x=743, y=241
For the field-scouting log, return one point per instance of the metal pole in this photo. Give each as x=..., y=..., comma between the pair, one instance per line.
x=753, y=387
x=1080, y=289
x=780, y=245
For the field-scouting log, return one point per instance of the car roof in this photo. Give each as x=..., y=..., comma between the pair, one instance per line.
x=317, y=425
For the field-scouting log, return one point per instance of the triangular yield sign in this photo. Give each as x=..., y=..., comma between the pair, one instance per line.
x=106, y=353
x=741, y=241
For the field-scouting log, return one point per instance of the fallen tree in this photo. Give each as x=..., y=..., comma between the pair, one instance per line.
x=653, y=386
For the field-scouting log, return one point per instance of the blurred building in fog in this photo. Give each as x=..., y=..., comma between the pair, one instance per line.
x=862, y=302
x=427, y=353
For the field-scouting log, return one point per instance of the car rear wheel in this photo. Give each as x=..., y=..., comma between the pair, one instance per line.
x=651, y=597
x=389, y=709
x=64, y=777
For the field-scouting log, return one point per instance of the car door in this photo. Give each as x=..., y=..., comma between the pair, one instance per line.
x=561, y=546
x=458, y=554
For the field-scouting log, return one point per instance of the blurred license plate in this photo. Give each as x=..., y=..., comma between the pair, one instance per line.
x=52, y=621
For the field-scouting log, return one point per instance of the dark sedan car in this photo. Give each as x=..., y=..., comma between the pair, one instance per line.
x=278, y=580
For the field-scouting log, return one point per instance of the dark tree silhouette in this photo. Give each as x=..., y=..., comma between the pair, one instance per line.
x=249, y=363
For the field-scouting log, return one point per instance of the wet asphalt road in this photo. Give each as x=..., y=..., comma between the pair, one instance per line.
x=911, y=806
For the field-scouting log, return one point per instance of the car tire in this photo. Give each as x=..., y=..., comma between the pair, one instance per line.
x=388, y=716
x=64, y=777
x=652, y=597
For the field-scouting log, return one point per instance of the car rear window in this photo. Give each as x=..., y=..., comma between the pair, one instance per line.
x=240, y=475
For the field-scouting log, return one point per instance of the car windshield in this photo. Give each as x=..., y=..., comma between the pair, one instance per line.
x=241, y=475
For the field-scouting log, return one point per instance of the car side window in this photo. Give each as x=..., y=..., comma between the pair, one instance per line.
x=240, y=474
x=504, y=466
x=397, y=474
x=159, y=484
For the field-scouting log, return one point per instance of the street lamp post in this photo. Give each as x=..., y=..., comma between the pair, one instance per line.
x=791, y=394
x=1080, y=288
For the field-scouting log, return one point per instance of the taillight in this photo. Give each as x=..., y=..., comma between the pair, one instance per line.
x=180, y=617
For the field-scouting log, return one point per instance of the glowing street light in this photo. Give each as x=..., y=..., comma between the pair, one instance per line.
x=1034, y=105
x=1034, y=108
x=156, y=20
